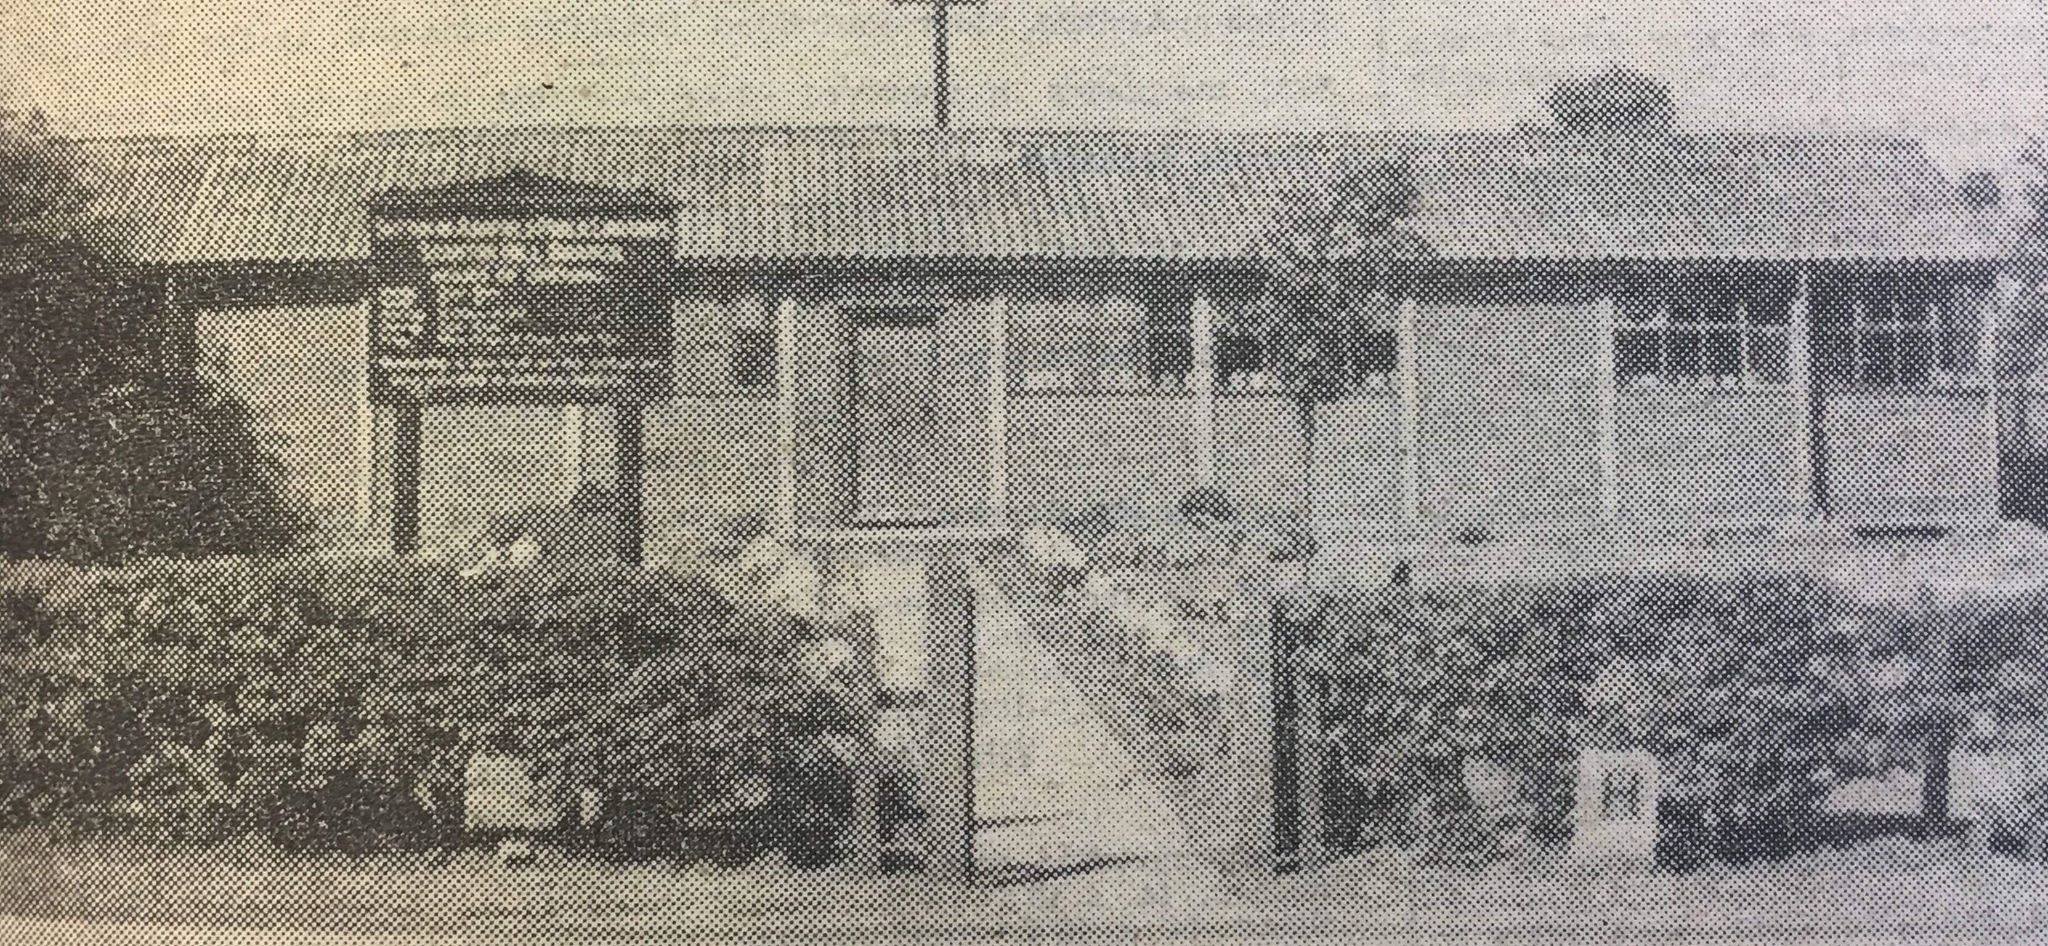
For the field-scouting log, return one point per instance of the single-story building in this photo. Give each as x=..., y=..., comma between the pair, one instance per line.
x=976, y=329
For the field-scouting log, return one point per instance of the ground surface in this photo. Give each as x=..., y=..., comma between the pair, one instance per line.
x=1889, y=891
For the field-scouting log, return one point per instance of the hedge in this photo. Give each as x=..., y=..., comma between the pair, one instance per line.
x=335, y=703
x=1759, y=693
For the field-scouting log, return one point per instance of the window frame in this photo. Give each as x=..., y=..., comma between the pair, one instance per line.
x=1118, y=343
x=1953, y=336
x=1684, y=308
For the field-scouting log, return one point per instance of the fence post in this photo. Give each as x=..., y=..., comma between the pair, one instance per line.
x=1242, y=795
x=950, y=614
x=1298, y=702
x=1313, y=686
x=864, y=840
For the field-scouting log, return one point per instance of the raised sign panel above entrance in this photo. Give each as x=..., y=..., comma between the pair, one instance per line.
x=521, y=288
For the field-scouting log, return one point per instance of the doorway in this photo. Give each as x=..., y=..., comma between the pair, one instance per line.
x=896, y=461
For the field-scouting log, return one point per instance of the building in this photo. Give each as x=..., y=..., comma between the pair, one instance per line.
x=969, y=329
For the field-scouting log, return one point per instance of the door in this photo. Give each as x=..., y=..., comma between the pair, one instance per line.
x=896, y=463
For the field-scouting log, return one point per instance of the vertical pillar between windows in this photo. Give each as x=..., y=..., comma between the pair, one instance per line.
x=1799, y=375
x=785, y=418
x=1202, y=380
x=999, y=411
x=1610, y=465
x=1411, y=402
x=1996, y=303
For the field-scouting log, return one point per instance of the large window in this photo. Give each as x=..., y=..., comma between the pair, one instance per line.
x=1098, y=344
x=1365, y=349
x=1701, y=328
x=1915, y=329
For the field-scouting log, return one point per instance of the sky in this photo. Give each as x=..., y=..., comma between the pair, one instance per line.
x=1969, y=78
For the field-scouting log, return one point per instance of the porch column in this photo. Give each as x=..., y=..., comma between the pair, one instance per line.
x=405, y=477
x=1806, y=500
x=1604, y=408
x=785, y=418
x=1411, y=402
x=1202, y=381
x=999, y=411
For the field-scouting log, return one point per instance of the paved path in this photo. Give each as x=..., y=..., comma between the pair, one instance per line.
x=1057, y=792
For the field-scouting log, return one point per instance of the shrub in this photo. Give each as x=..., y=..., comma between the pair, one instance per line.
x=578, y=530
x=1758, y=693
x=335, y=703
x=1207, y=505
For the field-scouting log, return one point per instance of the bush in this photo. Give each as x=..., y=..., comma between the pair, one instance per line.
x=580, y=530
x=135, y=471
x=1758, y=693
x=332, y=703
x=1207, y=505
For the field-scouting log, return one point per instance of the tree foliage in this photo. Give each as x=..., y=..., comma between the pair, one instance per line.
x=1324, y=259
x=1618, y=100
x=42, y=187
x=336, y=704
x=1758, y=693
x=109, y=445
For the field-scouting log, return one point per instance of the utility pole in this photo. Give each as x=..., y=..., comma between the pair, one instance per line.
x=941, y=95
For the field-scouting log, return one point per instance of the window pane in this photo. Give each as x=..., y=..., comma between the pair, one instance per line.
x=753, y=358
x=1769, y=299
x=1911, y=295
x=1767, y=358
x=1834, y=303
x=1635, y=355
x=1688, y=307
x=1916, y=357
x=1169, y=357
x=1877, y=364
x=1723, y=355
x=1684, y=362
x=1236, y=353
x=1374, y=354
x=1961, y=323
x=1834, y=354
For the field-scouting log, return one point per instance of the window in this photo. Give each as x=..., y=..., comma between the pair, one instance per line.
x=1716, y=329
x=1895, y=330
x=1093, y=343
x=753, y=348
x=1364, y=352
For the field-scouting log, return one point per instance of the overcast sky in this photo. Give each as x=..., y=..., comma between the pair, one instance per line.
x=1966, y=76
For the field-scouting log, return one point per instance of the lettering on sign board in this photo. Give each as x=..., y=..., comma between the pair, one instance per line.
x=522, y=289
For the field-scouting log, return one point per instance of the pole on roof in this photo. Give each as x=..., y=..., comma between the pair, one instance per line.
x=941, y=91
